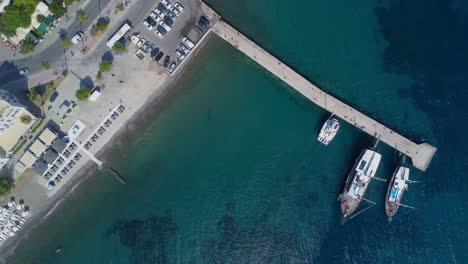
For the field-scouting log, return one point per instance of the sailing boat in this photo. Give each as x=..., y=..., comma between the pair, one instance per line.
x=396, y=188
x=358, y=180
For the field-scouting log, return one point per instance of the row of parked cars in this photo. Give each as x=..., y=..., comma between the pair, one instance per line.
x=151, y=50
x=203, y=24
x=163, y=17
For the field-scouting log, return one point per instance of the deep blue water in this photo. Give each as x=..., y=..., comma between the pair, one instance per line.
x=229, y=170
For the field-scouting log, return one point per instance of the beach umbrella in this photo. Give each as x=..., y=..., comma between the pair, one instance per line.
x=18, y=207
x=10, y=204
x=24, y=214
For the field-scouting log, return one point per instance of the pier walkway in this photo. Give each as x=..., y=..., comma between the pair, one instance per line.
x=420, y=154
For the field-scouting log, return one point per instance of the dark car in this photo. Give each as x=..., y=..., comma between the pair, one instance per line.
x=162, y=30
x=205, y=20
x=154, y=52
x=171, y=15
x=167, y=59
x=162, y=7
x=168, y=21
x=198, y=29
x=151, y=21
x=202, y=25
x=159, y=56
x=53, y=97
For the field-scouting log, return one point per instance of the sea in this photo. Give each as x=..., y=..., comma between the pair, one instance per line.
x=228, y=169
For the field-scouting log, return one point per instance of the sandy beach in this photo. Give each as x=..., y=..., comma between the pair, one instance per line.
x=149, y=102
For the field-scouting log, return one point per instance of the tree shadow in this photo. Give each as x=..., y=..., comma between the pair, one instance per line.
x=87, y=81
x=108, y=56
x=62, y=33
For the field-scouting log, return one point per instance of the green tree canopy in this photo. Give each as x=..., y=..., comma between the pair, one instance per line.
x=102, y=24
x=66, y=43
x=25, y=119
x=57, y=9
x=45, y=65
x=105, y=66
x=68, y=2
x=82, y=16
x=27, y=47
x=14, y=17
x=83, y=93
x=40, y=18
x=119, y=47
x=5, y=186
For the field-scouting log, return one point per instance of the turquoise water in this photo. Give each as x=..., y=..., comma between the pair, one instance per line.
x=229, y=170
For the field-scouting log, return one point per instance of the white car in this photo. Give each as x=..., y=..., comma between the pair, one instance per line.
x=183, y=48
x=180, y=54
x=159, y=34
x=188, y=42
x=179, y=7
x=167, y=4
x=153, y=15
x=23, y=71
x=175, y=11
x=166, y=26
x=147, y=25
x=77, y=37
x=159, y=13
x=158, y=19
x=141, y=42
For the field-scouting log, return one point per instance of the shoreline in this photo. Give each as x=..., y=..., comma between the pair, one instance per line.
x=151, y=106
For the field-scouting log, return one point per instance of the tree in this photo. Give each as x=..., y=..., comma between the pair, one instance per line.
x=5, y=186
x=66, y=43
x=119, y=47
x=27, y=47
x=40, y=18
x=83, y=93
x=25, y=119
x=15, y=16
x=45, y=65
x=57, y=9
x=102, y=24
x=68, y=2
x=82, y=16
x=105, y=66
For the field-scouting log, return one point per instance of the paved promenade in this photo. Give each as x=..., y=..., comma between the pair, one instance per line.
x=421, y=154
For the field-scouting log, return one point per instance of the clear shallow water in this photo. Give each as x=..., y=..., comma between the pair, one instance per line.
x=230, y=172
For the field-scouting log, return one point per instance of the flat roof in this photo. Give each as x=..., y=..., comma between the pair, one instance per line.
x=28, y=159
x=50, y=156
x=40, y=167
x=47, y=136
x=59, y=145
x=37, y=148
x=20, y=167
x=10, y=137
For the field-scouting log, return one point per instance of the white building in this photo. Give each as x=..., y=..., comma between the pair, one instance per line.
x=11, y=126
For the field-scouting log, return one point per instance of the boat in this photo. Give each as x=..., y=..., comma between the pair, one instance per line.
x=358, y=180
x=329, y=130
x=396, y=188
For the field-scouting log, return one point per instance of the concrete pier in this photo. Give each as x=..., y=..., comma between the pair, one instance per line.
x=420, y=154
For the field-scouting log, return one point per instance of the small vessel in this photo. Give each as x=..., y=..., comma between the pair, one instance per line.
x=396, y=188
x=358, y=180
x=329, y=130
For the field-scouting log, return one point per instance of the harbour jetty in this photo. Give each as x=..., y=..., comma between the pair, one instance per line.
x=420, y=154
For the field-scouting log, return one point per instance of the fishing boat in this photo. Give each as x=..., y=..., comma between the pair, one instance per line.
x=396, y=188
x=358, y=180
x=329, y=130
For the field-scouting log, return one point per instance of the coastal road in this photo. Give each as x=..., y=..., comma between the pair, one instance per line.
x=55, y=53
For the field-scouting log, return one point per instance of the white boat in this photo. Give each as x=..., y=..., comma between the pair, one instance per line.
x=396, y=188
x=358, y=180
x=329, y=130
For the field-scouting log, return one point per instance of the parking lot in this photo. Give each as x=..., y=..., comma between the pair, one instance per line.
x=183, y=25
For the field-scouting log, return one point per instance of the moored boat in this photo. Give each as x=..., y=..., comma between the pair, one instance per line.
x=396, y=188
x=358, y=180
x=329, y=130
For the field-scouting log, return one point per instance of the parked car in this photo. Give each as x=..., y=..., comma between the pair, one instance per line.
x=205, y=20
x=159, y=34
x=159, y=56
x=198, y=29
x=167, y=4
x=141, y=42
x=172, y=67
x=171, y=15
x=184, y=48
x=166, y=26
x=168, y=21
x=179, y=7
x=53, y=97
x=180, y=54
x=77, y=37
x=153, y=15
x=159, y=12
x=145, y=46
x=175, y=11
x=202, y=25
x=188, y=42
x=23, y=71
x=147, y=25
x=167, y=59
x=154, y=51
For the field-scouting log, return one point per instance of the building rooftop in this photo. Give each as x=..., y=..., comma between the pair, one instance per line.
x=37, y=148
x=50, y=156
x=10, y=136
x=28, y=159
x=59, y=145
x=40, y=166
x=47, y=136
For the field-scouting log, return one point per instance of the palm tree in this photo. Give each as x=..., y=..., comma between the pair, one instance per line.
x=25, y=119
x=66, y=43
x=82, y=16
